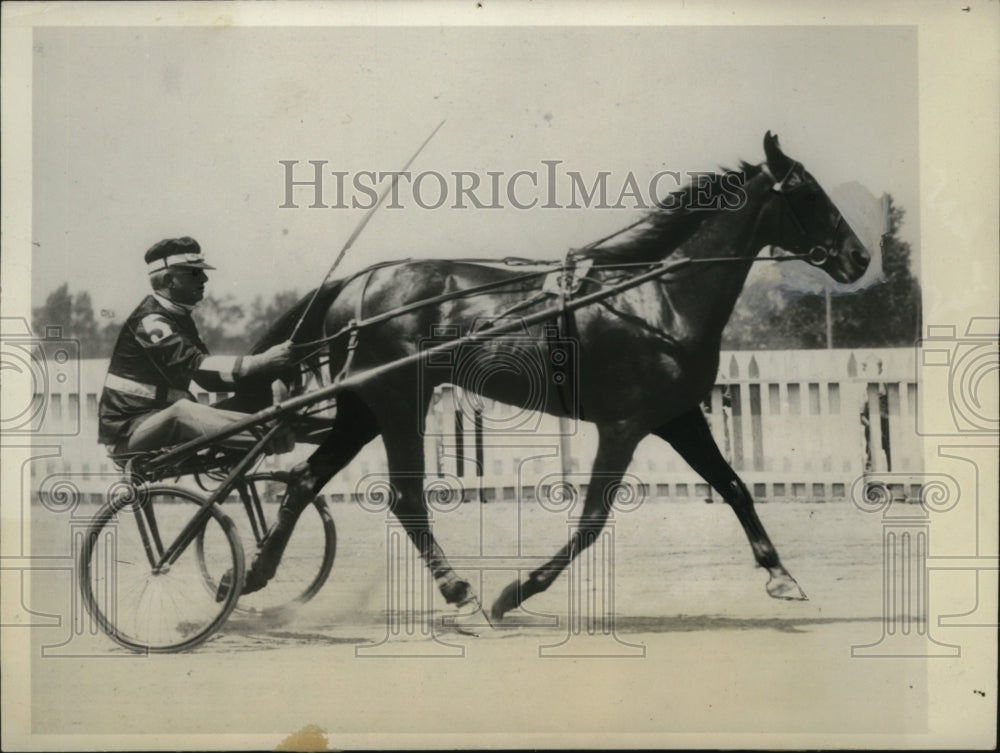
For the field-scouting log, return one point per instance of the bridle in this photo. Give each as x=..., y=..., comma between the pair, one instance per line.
x=816, y=255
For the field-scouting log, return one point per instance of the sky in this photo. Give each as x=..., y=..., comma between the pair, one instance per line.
x=142, y=133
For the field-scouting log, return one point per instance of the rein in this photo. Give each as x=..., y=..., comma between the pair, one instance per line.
x=816, y=256
x=443, y=298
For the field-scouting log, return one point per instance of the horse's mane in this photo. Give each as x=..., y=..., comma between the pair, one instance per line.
x=675, y=218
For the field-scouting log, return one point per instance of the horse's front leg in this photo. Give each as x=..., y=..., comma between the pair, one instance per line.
x=616, y=443
x=690, y=436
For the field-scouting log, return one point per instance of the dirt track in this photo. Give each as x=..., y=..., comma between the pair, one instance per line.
x=717, y=654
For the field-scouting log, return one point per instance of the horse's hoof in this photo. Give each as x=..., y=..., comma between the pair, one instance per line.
x=785, y=587
x=507, y=600
x=471, y=619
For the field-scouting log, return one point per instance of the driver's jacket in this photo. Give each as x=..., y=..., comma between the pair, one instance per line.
x=157, y=354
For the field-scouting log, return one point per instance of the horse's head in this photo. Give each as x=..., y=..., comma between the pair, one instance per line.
x=804, y=221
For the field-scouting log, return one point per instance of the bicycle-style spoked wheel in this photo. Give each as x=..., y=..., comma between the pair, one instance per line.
x=307, y=559
x=142, y=602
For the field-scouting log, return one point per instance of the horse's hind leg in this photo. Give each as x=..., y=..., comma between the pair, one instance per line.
x=353, y=428
x=615, y=446
x=690, y=436
x=404, y=448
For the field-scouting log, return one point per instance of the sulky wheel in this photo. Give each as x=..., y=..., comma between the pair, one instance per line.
x=141, y=572
x=308, y=558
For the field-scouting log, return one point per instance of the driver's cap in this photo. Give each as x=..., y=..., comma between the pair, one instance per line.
x=175, y=252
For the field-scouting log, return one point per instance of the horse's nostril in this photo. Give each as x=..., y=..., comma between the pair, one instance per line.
x=859, y=257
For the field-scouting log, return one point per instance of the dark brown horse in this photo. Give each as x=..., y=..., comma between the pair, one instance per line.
x=644, y=357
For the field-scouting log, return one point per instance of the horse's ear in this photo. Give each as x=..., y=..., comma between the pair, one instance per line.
x=777, y=162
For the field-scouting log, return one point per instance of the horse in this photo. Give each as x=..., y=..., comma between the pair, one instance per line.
x=646, y=357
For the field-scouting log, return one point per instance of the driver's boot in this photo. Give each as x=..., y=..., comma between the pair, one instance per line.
x=301, y=491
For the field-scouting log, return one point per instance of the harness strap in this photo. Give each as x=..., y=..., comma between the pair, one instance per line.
x=562, y=335
x=520, y=305
x=813, y=257
x=559, y=339
x=354, y=328
x=416, y=305
x=778, y=187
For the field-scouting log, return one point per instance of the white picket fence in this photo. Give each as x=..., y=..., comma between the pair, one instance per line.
x=799, y=425
x=794, y=424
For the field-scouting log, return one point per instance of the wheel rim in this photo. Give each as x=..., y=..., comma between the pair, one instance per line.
x=305, y=565
x=157, y=611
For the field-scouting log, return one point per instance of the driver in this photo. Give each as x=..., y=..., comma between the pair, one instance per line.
x=145, y=404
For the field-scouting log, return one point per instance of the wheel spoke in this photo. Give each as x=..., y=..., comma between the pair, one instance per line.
x=140, y=606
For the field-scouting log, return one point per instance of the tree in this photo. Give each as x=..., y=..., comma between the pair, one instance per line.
x=106, y=339
x=224, y=323
x=220, y=323
x=768, y=315
x=886, y=314
x=75, y=315
x=57, y=311
x=262, y=316
x=84, y=324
